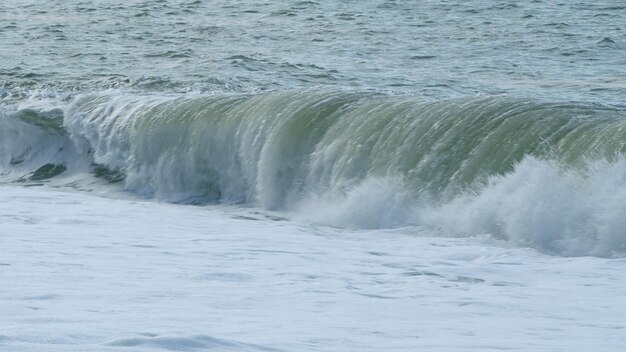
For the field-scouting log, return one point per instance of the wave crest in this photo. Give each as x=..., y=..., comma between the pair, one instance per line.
x=273, y=148
x=517, y=169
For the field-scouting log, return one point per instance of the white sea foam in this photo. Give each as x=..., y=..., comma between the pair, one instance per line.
x=375, y=203
x=539, y=204
x=86, y=273
x=542, y=205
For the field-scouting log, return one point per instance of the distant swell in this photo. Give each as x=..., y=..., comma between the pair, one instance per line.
x=549, y=175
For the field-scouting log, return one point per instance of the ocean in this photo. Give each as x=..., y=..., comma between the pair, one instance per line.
x=181, y=175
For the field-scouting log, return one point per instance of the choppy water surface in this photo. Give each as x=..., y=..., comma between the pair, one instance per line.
x=568, y=50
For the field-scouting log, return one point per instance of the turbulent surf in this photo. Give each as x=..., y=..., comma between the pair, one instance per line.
x=539, y=173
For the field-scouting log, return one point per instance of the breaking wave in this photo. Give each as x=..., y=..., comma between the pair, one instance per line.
x=542, y=174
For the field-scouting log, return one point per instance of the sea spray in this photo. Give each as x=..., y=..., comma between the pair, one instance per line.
x=375, y=203
x=543, y=205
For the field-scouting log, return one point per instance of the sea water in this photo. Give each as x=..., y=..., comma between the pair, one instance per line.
x=312, y=176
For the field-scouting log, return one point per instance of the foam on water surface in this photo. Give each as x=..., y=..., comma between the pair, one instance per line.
x=101, y=274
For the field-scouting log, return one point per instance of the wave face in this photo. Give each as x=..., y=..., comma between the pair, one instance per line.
x=271, y=149
x=513, y=168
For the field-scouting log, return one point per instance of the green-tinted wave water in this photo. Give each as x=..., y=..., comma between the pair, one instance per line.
x=272, y=148
x=544, y=174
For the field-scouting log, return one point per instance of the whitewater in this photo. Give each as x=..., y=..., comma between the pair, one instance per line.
x=312, y=176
